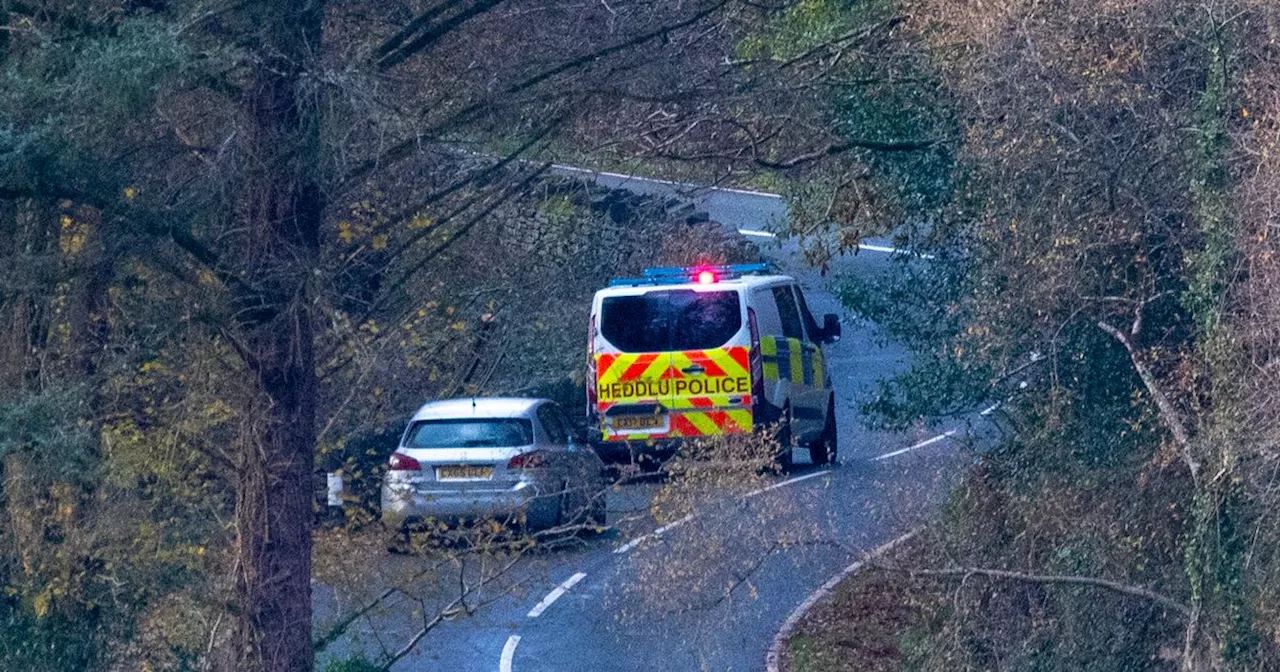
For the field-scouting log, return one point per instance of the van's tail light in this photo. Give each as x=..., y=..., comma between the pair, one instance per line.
x=591, y=369
x=402, y=462
x=530, y=460
x=757, y=359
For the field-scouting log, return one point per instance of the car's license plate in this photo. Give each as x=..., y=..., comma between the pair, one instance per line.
x=464, y=472
x=651, y=421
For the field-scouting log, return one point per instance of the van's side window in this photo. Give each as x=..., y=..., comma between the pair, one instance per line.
x=788, y=311
x=810, y=325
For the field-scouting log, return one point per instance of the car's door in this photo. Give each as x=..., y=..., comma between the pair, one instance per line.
x=806, y=398
x=819, y=384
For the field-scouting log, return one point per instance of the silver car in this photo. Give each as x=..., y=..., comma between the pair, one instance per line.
x=511, y=460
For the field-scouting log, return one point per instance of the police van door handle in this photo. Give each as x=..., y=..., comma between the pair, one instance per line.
x=694, y=370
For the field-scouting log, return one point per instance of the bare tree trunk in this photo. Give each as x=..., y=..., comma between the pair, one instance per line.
x=282, y=209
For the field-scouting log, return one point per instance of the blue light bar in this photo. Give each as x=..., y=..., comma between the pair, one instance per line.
x=732, y=270
x=673, y=275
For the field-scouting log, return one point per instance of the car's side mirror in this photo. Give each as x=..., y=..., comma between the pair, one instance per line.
x=830, y=328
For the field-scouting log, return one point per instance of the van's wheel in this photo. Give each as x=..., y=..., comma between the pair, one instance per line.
x=597, y=517
x=785, y=441
x=823, y=451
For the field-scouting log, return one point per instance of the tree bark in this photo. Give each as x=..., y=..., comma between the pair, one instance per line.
x=282, y=210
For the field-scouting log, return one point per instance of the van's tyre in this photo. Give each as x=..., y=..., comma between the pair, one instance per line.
x=597, y=517
x=785, y=442
x=824, y=450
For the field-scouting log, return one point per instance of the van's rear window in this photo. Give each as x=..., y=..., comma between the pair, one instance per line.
x=494, y=433
x=670, y=319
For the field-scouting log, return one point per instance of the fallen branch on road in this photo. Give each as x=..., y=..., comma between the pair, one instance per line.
x=1113, y=586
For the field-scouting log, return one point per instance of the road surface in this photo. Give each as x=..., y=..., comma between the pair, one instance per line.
x=709, y=591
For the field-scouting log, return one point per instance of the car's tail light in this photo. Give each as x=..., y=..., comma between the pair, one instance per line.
x=402, y=462
x=756, y=357
x=530, y=460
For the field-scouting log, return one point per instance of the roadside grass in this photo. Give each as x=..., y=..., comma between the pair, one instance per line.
x=863, y=625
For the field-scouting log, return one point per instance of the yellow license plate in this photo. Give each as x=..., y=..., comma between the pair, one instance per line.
x=653, y=421
x=464, y=472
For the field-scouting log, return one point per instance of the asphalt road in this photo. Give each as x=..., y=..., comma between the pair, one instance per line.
x=709, y=592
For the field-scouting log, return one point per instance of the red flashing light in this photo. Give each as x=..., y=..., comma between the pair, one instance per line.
x=706, y=277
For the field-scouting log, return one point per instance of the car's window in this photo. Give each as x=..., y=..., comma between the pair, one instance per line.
x=469, y=433
x=766, y=310
x=551, y=424
x=675, y=319
x=570, y=431
x=788, y=312
x=811, y=326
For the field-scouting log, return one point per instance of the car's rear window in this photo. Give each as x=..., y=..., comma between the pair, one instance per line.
x=669, y=320
x=470, y=433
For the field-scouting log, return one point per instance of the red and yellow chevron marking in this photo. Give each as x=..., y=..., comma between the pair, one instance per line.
x=711, y=422
x=631, y=377
x=713, y=401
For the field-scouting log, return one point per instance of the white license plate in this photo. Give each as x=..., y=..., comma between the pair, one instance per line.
x=464, y=472
x=650, y=421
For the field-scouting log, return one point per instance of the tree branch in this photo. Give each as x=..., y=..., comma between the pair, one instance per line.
x=399, y=54
x=1113, y=586
x=405, y=147
x=841, y=147
x=1169, y=414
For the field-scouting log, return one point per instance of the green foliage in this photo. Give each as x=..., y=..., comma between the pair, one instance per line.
x=51, y=644
x=51, y=429
x=355, y=663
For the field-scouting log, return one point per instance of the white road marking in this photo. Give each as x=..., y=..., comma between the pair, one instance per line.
x=677, y=523
x=774, y=656
x=672, y=525
x=652, y=180
x=922, y=444
x=990, y=409
x=797, y=479
x=508, y=653
x=555, y=595
x=758, y=234
x=892, y=250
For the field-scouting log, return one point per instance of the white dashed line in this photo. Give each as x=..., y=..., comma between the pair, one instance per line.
x=654, y=180
x=989, y=410
x=797, y=479
x=922, y=444
x=758, y=234
x=677, y=523
x=892, y=250
x=555, y=595
x=508, y=653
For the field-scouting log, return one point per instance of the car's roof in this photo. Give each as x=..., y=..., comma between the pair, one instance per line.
x=727, y=283
x=478, y=407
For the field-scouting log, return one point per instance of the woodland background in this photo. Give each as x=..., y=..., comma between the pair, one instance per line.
x=241, y=240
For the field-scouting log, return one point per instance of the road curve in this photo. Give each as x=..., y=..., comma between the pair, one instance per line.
x=710, y=590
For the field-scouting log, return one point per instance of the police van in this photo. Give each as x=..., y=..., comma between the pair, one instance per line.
x=707, y=350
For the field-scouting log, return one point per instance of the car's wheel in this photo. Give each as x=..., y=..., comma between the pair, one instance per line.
x=824, y=449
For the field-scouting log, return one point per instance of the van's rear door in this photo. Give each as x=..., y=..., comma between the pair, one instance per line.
x=673, y=361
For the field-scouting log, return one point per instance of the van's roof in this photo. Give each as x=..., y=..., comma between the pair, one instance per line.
x=478, y=407
x=728, y=283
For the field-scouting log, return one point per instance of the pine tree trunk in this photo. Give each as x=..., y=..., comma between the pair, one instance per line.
x=282, y=209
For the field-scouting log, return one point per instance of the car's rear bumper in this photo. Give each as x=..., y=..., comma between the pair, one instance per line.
x=404, y=503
